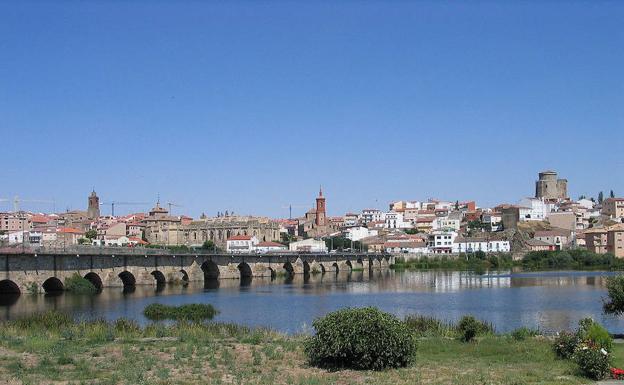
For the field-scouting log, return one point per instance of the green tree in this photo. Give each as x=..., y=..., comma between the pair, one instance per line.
x=615, y=290
x=91, y=234
x=209, y=245
x=600, y=197
x=612, y=194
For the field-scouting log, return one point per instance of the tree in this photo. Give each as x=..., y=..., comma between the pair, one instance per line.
x=612, y=194
x=209, y=245
x=615, y=289
x=581, y=197
x=91, y=234
x=600, y=197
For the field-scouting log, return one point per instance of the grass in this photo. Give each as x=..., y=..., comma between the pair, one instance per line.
x=49, y=348
x=190, y=312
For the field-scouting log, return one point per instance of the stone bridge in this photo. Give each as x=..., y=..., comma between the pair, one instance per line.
x=47, y=271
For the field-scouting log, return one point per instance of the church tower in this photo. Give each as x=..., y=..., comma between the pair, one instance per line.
x=320, y=209
x=93, y=211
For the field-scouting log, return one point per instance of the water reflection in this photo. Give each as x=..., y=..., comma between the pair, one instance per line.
x=550, y=301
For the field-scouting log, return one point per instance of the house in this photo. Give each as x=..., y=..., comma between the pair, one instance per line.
x=488, y=245
x=371, y=215
x=441, y=242
x=537, y=245
x=269, y=247
x=613, y=207
x=446, y=223
x=241, y=244
x=308, y=245
x=560, y=238
x=596, y=240
x=615, y=240
x=534, y=209
x=411, y=247
x=359, y=232
x=493, y=219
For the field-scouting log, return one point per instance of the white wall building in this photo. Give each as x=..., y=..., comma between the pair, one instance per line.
x=310, y=245
x=269, y=247
x=471, y=245
x=359, y=232
x=441, y=242
x=395, y=220
x=446, y=223
x=534, y=209
x=241, y=244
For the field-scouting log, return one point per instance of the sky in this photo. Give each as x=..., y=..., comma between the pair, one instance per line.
x=250, y=106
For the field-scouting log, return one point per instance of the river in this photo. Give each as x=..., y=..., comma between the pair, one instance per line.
x=550, y=301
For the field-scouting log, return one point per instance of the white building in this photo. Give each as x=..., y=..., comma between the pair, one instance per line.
x=446, y=223
x=411, y=247
x=534, y=209
x=241, y=244
x=359, y=232
x=395, y=220
x=371, y=215
x=441, y=242
x=269, y=247
x=494, y=219
x=309, y=245
x=471, y=245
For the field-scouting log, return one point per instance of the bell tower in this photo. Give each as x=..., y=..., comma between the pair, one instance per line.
x=320, y=209
x=93, y=210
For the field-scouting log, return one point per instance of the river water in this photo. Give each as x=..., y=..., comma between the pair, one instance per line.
x=550, y=301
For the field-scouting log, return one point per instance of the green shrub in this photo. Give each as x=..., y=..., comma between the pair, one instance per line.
x=598, y=335
x=191, y=312
x=127, y=326
x=470, y=327
x=615, y=290
x=523, y=333
x=592, y=360
x=41, y=321
x=428, y=326
x=78, y=284
x=565, y=344
x=360, y=338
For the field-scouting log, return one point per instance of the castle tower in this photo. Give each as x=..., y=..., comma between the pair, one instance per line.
x=548, y=186
x=93, y=210
x=320, y=209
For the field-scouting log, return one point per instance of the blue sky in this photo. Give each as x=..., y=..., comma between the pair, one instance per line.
x=249, y=106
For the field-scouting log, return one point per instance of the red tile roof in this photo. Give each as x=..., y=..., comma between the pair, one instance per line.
x=240, y=238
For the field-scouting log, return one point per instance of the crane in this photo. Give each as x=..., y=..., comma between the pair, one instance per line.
x=171, y=204
x=115, y=203
x=290, y=207
x=17, y=200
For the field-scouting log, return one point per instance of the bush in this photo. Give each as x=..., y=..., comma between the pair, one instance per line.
x=364, y=339
x=428, y=326
x=597, y=335
x=192, y=312
x=565, y=344
x=523, y=333
x=615, y=289
x=592, y=360
x=470, y=327
x=52, y=319
x=124, y=325
x=77, y=284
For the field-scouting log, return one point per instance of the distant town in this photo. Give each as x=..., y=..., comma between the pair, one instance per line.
x=550, y=220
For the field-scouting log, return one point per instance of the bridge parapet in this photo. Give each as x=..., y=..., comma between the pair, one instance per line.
x=47, y=270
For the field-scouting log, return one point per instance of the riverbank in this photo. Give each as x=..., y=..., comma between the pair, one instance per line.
x=56, y=349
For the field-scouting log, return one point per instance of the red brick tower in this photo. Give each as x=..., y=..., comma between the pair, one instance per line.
x=320, y=209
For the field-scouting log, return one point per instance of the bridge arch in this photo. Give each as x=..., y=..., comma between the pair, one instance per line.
x=348, y=263
x=127, y=278
x=95, y=280
x=159, y=277
x=53, y=285
x=211, y=270
x=290, y=270
x=336, y=267
x=306, y=267
x=9, y=287
x=185, y=276
x=245, y=270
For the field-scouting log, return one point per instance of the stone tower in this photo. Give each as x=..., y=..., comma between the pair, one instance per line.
x=549, y=187
x=320, y=209
x=93, y=211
